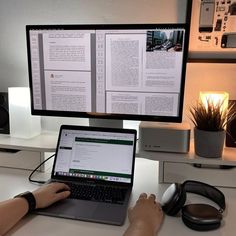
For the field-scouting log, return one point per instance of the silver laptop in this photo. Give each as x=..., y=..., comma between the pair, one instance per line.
x=98, y=165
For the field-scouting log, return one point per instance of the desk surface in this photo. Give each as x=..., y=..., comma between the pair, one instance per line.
x=14, y=181
x=45, y=142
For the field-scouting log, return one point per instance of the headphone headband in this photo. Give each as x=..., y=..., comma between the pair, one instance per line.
x=205, y=190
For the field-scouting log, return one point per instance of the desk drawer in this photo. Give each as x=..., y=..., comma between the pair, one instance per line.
x=179, y=172
x=19, y=159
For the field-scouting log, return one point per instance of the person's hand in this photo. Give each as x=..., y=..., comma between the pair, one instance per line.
x=51, y=193
x=146, y=213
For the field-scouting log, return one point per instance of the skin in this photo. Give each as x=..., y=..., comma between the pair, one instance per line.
x=145, y=217
x=12, y=210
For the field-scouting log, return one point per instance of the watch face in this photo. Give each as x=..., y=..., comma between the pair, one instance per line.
x=168, y=194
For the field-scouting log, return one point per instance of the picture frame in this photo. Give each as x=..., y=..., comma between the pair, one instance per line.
x=212, y=31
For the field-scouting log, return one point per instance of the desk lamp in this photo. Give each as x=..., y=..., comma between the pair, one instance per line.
x=215, y=98
x=22, y=123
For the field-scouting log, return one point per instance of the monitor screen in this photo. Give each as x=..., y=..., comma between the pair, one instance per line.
x=129, y=72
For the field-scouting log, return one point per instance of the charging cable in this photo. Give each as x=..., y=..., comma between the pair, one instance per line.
x=39, y=181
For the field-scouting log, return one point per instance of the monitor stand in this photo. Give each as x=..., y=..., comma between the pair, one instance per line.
x=110, y=123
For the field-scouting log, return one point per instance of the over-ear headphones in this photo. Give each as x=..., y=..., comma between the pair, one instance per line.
x=200, y=217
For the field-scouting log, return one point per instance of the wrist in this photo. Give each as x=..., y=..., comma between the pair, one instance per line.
x=143, y=226
x=30, y=199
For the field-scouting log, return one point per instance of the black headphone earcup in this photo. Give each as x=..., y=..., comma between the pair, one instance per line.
x=201, y=217
x=173, y=199
x=178, y=204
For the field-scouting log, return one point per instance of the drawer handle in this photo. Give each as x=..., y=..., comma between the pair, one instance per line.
x=8, y=150
x=208, y=166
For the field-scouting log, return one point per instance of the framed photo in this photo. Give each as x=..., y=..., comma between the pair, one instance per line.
x=213, y=31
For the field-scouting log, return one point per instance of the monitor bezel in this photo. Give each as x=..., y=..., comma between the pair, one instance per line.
x=116, y=116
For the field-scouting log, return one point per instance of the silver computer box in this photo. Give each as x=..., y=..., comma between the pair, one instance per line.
x=164, y=137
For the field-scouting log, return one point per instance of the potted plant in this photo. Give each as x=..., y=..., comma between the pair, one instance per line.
x=210, y=120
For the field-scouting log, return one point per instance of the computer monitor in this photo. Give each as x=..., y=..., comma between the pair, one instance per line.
x=120, y=71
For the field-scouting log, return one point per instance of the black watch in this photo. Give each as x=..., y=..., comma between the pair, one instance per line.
x=29, y=198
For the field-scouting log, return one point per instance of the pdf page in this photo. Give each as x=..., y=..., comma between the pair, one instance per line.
x=67, y=70
x=161, y=104
x=163, y=61
x=124, y=103
x=68, y=90
x=67, y=51
x=162, y=73
x=124, y=61
x=147, y=68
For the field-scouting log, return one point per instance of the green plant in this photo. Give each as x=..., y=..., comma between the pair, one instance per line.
x=211, y=117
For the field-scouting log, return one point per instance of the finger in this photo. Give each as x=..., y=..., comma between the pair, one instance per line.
x=130, y=209
x=159, y=206
x=152, y=197
x=142, y=195
x=60, y=186
x=62, y=195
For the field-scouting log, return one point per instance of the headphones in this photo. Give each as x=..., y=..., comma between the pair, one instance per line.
x=200, y=217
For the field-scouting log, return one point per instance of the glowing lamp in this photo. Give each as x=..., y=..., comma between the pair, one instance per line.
x=215, y=98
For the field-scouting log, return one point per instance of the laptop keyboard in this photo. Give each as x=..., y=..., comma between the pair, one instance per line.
x=98, y=193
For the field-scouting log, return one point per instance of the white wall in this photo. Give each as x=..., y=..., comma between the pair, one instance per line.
x=208, y=77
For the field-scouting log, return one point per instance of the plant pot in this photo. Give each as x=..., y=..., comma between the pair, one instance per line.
x=209, y=143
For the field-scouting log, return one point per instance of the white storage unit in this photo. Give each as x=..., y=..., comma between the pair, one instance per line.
x=178, y=167
x=26, y=153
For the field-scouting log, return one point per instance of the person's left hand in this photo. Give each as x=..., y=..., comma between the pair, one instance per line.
x=51, y=193
x=147, y=214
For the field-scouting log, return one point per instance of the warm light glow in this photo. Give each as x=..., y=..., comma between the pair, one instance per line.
x=215, y=98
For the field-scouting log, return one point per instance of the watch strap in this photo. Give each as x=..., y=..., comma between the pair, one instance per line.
x=29, y=197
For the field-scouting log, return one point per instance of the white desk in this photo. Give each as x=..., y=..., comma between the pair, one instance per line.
x=26, y=153
x=13, y=181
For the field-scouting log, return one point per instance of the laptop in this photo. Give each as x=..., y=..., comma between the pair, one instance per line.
x=98, y=165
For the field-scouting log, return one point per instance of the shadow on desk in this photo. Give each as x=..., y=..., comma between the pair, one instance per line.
x=24, y=221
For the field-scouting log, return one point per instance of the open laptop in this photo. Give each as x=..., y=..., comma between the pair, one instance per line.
x=96, y=159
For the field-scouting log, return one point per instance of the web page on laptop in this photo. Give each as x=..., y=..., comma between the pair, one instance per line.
x=97, y=155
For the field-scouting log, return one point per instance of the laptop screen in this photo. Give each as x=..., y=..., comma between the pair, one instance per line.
x=95, y=153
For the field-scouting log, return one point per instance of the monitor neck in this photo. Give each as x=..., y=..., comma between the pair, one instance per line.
x=106, y=123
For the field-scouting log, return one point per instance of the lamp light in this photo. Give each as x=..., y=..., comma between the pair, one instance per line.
x=210, y=118
x=22, y=123
x=215, y=98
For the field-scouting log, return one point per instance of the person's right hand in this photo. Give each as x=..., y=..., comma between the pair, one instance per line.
x=51, y=193
x=146, y=213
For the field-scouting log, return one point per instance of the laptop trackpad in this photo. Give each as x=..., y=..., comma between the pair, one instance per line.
x=87, y=210
x=112, y=213
x=71, y=208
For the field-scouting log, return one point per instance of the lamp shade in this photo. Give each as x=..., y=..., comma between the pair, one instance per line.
x=22, y=123
x=215, y=97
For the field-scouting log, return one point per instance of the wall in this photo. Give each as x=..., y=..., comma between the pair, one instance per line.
x=15, y=14
x=208, y=77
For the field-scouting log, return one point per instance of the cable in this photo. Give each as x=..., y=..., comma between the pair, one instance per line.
x=39, y=181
